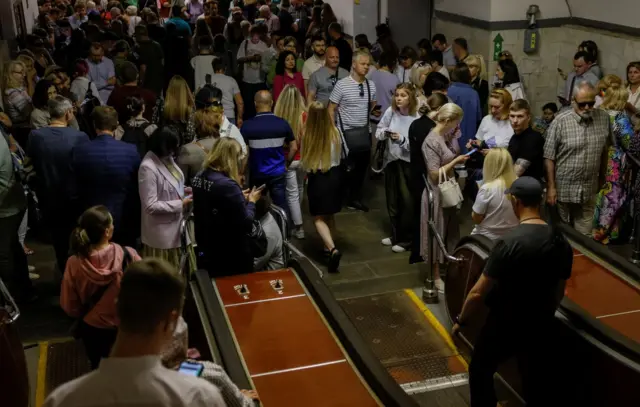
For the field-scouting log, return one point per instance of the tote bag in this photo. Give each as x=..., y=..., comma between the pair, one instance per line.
x=450, y=193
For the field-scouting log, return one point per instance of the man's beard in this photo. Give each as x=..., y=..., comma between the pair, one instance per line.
x=319, y=55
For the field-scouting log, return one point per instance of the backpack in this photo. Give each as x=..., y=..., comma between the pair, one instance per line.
x=137, y=135
x=89, y=103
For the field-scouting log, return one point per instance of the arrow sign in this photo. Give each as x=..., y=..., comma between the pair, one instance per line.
x=497, y=46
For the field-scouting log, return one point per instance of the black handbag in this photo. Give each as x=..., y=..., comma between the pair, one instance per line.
x=378, y=155
x=358, y=139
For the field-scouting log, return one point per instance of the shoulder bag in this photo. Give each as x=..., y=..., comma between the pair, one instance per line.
x=450, y=193
x=358, y=139
x=381, y=150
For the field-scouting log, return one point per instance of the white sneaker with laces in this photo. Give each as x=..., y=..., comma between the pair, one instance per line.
x=439, y=283
x=386, y=241
x=398, y=249
x=298, y=233
x=34, y=276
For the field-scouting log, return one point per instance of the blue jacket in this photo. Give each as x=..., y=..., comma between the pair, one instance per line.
x=467, y=98
x=50, y=149
x=225, y=220
x=106, y=173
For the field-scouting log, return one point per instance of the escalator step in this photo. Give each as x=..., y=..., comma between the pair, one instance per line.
x=65, y=361
x=402, y=338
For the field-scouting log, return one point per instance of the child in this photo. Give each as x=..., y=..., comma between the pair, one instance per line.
x=549, y=111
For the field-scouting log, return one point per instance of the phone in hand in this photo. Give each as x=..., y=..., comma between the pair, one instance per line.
x=261, y=187
x=471, y=152
x=376, y=108
x=191, y=369
x=388, y=133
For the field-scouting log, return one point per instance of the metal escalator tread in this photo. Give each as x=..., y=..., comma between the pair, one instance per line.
x=401, y=337
x=65, y=361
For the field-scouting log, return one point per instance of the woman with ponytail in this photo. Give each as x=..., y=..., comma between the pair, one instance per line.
x=91, y=281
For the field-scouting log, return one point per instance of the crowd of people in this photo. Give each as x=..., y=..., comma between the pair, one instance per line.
x=134, y=130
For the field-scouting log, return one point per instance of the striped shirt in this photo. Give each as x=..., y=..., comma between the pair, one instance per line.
x=351, y=98
x=266, y=135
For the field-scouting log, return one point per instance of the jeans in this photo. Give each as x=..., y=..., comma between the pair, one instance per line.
x=295, y=191
x=276, y=186
x=97, y=342
x=14, y=269
x=61, y=220
x=397, y=178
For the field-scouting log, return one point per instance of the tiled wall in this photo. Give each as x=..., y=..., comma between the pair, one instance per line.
x=557, y=47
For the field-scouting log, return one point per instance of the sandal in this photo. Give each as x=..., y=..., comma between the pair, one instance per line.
x=334, y=260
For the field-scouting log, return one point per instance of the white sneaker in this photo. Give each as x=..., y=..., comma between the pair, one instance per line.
x=439, y=284
x=398, y=249
x=298, y=233
x=34, y=276
x=31, y=268
x=386, y=241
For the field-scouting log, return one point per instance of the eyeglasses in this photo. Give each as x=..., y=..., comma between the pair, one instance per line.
x=590, y=103
x=361, y=86
x=333, y=80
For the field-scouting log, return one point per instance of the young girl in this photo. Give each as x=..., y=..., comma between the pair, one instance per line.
x=492, y=211
x=394, y=128
x=291, y=107
x=321, y=154
x=91, y=281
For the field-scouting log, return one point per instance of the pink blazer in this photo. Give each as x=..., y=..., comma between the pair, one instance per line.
x=161, y=197
x=280, y=81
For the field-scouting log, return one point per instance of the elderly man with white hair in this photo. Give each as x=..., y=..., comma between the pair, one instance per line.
x=271, y=20
x=575, y=154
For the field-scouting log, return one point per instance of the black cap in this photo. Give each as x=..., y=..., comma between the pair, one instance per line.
x=208, y=96
x=525, y=187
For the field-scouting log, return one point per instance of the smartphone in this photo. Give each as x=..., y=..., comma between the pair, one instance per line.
x=191, y=369
x=376, y=108
x=471, y=152
x=388, y=133
x=261, y=187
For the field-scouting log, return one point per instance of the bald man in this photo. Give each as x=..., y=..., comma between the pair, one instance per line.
x=267, y=135
x=322, y=81
x=575, y=153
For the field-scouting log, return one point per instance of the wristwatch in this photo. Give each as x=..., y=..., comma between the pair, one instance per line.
x=457, y=321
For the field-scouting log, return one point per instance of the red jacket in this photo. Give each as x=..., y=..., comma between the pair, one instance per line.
x=280, y=81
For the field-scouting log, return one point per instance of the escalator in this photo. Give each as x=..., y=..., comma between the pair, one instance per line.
x=597, y=326
x=14, y=382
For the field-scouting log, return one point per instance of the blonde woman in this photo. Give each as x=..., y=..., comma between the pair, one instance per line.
x=394, y=130
x=179, y=105
x=321, y=155
x=441, y=153
x=495, y=128
x=478, y=72
x=492, y=211
x=291, y=107
x=32, y=75
x=612, y=197
x=17, y=102
x=418, y=77
x=224, y=211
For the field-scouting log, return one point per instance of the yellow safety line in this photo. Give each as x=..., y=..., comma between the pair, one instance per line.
x=437, y=325
x=42, y=373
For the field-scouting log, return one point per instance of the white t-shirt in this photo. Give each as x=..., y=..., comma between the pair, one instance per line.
x=135, y=382
x=229, y=88
x=499, y=218
x=310, y=66
x=496, y=133
x=252, y=72
x=634, y=98
x=443, y=70
x=202, y=67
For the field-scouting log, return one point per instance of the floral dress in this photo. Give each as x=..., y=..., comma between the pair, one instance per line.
x=612, y=203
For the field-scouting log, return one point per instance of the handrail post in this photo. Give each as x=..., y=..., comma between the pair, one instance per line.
x=429, y=291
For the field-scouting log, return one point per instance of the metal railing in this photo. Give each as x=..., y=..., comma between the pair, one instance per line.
x=8, y=304
x=429, y=292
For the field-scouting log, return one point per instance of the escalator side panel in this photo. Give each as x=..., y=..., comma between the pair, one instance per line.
x=14, y=382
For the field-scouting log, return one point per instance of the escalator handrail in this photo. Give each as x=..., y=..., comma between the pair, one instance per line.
x=576, y=315
x=601, y=251
x=374, y=373
x=231, y=359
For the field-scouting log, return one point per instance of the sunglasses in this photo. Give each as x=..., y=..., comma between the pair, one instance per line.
x=582, y=105
x=361, y=86
x=334, y=79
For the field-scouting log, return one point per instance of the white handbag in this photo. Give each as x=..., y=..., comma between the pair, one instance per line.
x=450, y=193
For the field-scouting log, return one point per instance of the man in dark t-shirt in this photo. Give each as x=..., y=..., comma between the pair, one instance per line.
x=527, y=145
x=522, y=284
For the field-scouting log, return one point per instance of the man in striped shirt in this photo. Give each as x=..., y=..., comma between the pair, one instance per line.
x=353, y=98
